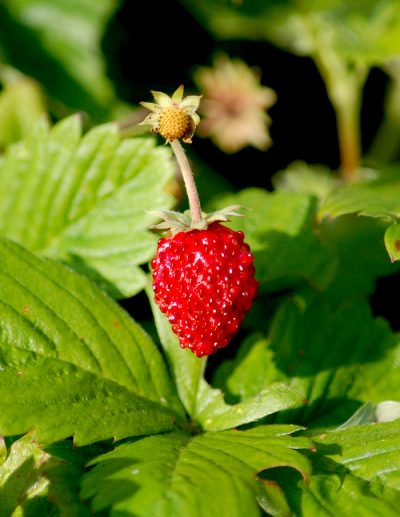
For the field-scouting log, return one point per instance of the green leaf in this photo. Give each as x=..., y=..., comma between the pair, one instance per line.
x=64, y=471
x=214, y=414
x=23, y=487
x=279, y=228
x=72, y=362
x=21, y=105
x=61, y=43
x=377, y=197
x=377, y=381
x=392, y=241
x=336, y=357
x=84, y=200
x=206, y=405
x=36, y=481
x=301, y=177
x=251, y=369
x=334, y=354
x=207, y=475
x=355, y=472
x=362, y=257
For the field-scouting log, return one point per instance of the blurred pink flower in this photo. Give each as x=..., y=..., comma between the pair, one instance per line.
x=234, y=105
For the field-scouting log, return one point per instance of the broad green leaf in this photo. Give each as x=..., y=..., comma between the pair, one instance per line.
x=84, y=200
x=335, y=356
x=174, y=475
x=21, y=105
x=61, y=49
x=205, y=405
x=355, y=473
x=338, y=365
x=252, y=368
x=72, y=362
x=280, y=229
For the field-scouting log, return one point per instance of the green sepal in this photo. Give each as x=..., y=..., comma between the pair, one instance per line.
x=175, y=222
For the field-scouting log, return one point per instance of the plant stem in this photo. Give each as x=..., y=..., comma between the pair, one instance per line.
x=187, y=175
x=344, y=87
x=344, y=84
x=348, y=126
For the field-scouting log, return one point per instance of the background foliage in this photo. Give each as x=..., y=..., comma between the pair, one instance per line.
x=100, y=409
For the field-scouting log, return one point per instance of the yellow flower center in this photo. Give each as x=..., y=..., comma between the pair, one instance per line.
x=175, y=123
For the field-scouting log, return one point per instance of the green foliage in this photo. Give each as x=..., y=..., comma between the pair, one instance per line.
x=21, y=105
x=69, y=368
x=352, y=359
x=377, y=197
x=35, y=481
x=212, y=474
x=63, y=39
x=287, y=251
x=22, y=483
x=355, y=473
x=300, y=415
x=83, y=200
x=206, y=405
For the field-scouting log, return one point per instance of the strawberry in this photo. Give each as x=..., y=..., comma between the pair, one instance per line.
x=203, y=273
x=204, y=282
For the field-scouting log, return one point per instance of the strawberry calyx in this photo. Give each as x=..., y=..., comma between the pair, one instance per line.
x=175, y=222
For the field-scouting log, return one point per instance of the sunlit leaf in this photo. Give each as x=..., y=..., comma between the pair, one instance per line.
x=73, y=362
x=174, y=475
x=279, y=227
x=21, y=105
x=84, y=200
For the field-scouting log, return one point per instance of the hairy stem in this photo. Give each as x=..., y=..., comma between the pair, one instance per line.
x=191, y=190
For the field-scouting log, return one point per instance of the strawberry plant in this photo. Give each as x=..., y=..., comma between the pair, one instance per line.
x=224, y=349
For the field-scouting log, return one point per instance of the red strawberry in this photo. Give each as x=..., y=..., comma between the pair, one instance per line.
x=204, y=282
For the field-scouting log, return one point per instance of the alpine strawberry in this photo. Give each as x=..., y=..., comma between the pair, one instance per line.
x=204, y=282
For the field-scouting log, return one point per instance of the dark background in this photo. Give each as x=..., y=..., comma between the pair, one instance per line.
x=158, y=44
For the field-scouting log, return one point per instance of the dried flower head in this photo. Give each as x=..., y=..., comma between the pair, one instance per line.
x=234, y=105
x=175, y=117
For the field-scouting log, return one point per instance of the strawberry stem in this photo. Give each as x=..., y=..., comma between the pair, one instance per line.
x=190, y=185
